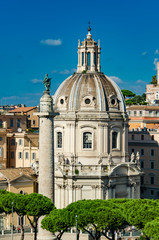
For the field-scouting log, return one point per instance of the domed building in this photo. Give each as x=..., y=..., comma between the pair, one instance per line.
x=91, y=135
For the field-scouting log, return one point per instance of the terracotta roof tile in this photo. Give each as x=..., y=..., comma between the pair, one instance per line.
x=22, y=109
x=142, y=107
x=13, y=173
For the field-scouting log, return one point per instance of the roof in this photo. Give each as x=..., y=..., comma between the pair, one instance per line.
x=89, y=92
x=22, y=109
x=14, y=173
x=143, y=107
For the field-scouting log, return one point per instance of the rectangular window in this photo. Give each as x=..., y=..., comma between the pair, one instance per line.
x=152, y=165
x=132, y=137
x=142, y=180
x=134, y=113
x=142, y=164
x=33, y=122
x=20, y=142
x=142, y=137
x=12, y=142
x=152, y=192
x=20, y=155
x=140, y=113
x=12, y=154
x=150, y=113
x=142, y=152
x=33, y=156
x=26, y=155
x=152, y=152
x=11, y=122
x=18, y=122
x=152, y=137
x=1, y=152
x=152, y=180
x=129, y=113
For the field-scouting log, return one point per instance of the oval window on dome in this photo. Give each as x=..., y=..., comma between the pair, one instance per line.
x=113, y=101
x=87, y=101
x=62, y=101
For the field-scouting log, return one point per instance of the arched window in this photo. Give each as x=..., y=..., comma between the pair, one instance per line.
x=1, y=123
x=82, y=58
x=95, y=59
x=114, y=139
x=88, y=60
x=59, y=139
x=87, y=140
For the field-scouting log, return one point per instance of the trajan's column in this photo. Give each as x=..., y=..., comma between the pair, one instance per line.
x=46, y=150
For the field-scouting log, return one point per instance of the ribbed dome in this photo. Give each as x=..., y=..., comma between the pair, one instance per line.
x=89, y=92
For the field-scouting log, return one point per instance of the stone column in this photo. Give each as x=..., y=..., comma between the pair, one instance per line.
x=46, y=154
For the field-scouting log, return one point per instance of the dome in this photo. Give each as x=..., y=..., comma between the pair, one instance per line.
x=89, y=92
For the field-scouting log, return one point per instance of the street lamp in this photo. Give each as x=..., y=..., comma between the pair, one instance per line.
x=76, y=229
x=12, y=224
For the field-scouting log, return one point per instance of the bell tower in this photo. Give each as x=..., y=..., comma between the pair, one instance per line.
x=88, y=54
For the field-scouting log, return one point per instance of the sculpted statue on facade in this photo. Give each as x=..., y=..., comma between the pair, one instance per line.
x=132, y=157
x=35, y=167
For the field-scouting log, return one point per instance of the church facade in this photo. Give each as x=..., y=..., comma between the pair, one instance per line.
x=91, y=135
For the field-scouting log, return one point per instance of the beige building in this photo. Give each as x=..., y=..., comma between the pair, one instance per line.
x=146, y=142
x=141, y=116
x=91, y=135
x=17, y=180
x=32, y=120
x=152, y=90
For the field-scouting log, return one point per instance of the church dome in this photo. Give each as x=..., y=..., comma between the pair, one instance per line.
x=89, y=92
x=89, y=89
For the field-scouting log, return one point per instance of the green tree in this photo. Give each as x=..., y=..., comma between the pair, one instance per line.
x=97, y=215
x=127, y=93
x=141, y=211
x=19, y=206
x=57, y=222
x=154, y=80
x=37, y=206
x=151, y=229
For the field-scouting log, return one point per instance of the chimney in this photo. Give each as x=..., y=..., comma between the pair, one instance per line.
x=158, y=73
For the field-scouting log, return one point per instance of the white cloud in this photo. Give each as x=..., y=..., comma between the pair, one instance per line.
x=157, y=51
x=35, y=80
x=155, y=63
x=116, y=79
x=140, y=81
x=52, y=42
x=54, y=71
x=66, y=71
x=10, y=98
x=144, y=53
x=73, y=70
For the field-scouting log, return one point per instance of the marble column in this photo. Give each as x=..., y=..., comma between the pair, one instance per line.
x=46, y=154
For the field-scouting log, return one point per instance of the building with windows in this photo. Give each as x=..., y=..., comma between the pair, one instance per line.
x=152, y=90
x=141, y=116
x=32, y=120
x=145, y=141
x=91, y=135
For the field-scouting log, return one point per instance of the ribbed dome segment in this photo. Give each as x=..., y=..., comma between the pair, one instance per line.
x=89, y=92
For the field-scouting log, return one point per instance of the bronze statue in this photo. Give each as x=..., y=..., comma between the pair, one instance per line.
x=47, y=82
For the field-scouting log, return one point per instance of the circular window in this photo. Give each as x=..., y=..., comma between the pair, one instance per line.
x=113, y=101
x=87, y=101
x=61, y=101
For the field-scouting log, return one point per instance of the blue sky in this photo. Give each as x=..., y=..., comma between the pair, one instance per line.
x=39, y=37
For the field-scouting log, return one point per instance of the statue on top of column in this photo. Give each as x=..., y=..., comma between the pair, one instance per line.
x=47, y=82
